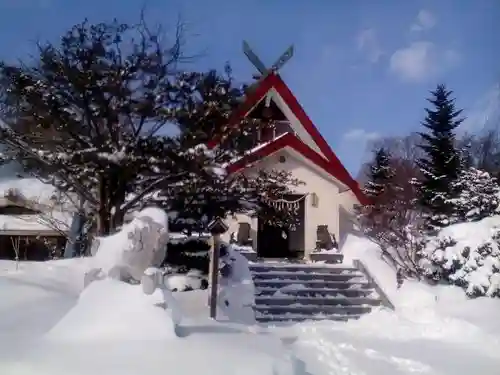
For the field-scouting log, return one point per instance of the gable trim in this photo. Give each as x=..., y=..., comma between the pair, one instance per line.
x=292, y=102
x=295, y=123
x=274, y=80
x=290, y=140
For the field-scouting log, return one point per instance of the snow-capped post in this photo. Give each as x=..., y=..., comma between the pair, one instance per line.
x=216, y=228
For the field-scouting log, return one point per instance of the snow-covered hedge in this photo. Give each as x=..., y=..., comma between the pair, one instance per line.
x=187, y=253
x=478, y=196
x=467, y=255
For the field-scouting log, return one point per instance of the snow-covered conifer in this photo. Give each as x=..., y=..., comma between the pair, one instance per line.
x=441, y=165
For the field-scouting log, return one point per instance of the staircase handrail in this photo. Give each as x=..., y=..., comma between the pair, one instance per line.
x=383, y=296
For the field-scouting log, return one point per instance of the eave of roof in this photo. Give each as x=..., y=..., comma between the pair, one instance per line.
x=259, y=91
x=290, y=140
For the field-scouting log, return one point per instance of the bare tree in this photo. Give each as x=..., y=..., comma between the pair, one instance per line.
x=402, y=148
x=483, y=150
x=16, y=244
x=391, y=219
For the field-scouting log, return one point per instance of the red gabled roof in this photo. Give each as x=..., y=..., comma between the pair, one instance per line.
x=290, y=140
x=331, y=164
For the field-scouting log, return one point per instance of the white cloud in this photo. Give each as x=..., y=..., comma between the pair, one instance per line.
x=368, y=43
x=360, y=135
x=422, y=60
x=425, y=21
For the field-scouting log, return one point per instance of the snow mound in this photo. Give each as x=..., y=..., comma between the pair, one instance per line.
x=467, y=255
x=237, y=291
x=193, y=280
x=426, y=339
x=115, y=329
x=140, y=244
x=108, y=309
x=360, y=248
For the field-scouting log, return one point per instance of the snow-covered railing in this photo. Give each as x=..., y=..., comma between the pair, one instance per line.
x=383, y=296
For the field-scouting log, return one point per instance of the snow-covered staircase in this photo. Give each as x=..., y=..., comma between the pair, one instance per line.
x=296, y=292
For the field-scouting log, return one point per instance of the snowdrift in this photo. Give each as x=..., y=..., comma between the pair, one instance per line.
x=114, y=328
x=435, y=330
x=107, y=309
x=467, y=255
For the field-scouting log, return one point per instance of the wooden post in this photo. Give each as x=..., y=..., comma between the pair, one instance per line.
x=216, y=228
x=210, y=267
x=214, y=275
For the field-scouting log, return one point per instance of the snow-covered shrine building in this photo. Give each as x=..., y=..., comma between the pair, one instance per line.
x=326, y=200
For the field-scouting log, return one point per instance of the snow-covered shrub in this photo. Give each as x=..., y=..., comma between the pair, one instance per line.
x=192, y=280
x=191, y=253
x=478, y=196
x=466, y=255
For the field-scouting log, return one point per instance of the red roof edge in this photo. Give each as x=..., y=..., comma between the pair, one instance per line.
x=251, y=100
x=292, y=102
x=263, y=87
x=290, y=140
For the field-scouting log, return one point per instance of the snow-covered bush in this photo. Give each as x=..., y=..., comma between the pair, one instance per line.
x=466, y=255
x=478, y=196
x=191, y=280
x=188, y=253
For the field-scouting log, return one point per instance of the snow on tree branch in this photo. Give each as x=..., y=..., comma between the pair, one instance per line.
x=106, y=114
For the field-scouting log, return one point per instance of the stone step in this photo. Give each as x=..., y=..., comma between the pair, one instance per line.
x=304, y=268
x=315, y=292
x=288, y=318
x=315, y=301
x=309, y=276
x=304, y=284
x=312, y=309
x=330, y=258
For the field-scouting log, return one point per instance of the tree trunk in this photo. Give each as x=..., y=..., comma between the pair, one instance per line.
x=112, y=196
x=103, y=213
x=117, y=219
x=103, y=222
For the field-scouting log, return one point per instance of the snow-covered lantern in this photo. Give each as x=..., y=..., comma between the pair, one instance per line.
x=217, y=227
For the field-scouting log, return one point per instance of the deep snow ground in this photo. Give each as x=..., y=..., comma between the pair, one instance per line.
x=435, y=330
x=447, y=335
x=48, y=327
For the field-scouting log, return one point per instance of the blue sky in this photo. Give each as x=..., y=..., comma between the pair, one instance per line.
x=362, y=68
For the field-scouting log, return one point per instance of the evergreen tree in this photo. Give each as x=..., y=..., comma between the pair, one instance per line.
x=379, y=175
x=374, y=216
x=441, y=164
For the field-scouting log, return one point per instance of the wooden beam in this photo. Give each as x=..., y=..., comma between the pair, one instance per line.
x=261, y=67
x=254, y=59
